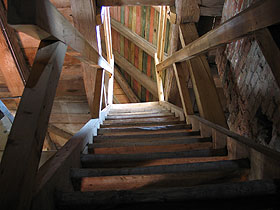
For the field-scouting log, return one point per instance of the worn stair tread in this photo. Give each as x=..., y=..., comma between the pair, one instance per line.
x=78, y=173
x=119, y=160
x=146, y=131
x=150, y=134
x=143, y=128
x=257, y=194
x=137, y=109
x=139, y=116
x=136, y=139
x=141, y=124
x=151, y=181
x=151, y=148
x=140, y=120
x=157, y=111
x=149, y=143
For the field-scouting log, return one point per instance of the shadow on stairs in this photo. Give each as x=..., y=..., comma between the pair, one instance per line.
x=145, y=157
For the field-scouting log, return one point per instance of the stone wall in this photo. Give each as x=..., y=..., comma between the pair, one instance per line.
x=253, y=97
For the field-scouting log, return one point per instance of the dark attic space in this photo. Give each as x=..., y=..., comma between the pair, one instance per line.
x=117, y=105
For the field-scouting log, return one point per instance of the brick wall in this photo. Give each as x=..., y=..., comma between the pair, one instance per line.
x=253, y=97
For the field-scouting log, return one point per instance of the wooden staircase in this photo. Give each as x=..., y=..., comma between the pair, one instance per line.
x=146, y=157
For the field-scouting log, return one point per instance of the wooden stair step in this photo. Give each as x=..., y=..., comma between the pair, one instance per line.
x=143, y=128
x=257, y=194
x=140, y=120
x=141, y=124
x=189, y=174
x=105, y=144
x=157, y=111
x=139, y=109
x=150, y=134
x=149, y=159
x=150, y=148
x=139, y=116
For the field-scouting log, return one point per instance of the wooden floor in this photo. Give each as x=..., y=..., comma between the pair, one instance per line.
x=144, y=156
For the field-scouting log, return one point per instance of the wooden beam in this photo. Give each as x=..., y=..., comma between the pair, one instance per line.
x=15, y=49
x=101, y=3
x=270, y=51
x=27, y=134
x=49, y=23
x=206, y=95
x=98, y=90
x=140, y=77
x=145, y=45
x=125, y=87
x=257, y=16
x=59, y=132
x=6, y=112
x=181, y=78
x=81, y=21
x=187, y=11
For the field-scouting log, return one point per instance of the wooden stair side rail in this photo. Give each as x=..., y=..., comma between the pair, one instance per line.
x=179, y=112
x=259, y=15
x=40, y=19
x=22, y=154
x=259, y=155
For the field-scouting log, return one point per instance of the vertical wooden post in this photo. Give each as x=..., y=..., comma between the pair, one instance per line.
x=160, y=50
x=98, y=91
x=23, y=150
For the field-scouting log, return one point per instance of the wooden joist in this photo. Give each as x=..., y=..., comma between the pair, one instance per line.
x=5, y=111
x=125, y=87
x=41, y=19
x=140, y=77
x=258, y=16
x=101, y=3
x=24, y=145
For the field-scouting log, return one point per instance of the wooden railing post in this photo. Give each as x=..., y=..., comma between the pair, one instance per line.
x=22, y=154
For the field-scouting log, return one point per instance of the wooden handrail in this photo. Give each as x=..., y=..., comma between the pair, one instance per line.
x=241, y=139
x=259, y=15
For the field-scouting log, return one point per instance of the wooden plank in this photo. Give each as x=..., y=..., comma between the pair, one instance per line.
x=23, y=17
x=57, y=131
x=29, y=128
x=133, y=182
x=16, y=52
x=255, y=194
x=183, y=89
x=206, y=95
x=270, y=51
x=257, y=16
x=166, y=122
x=135, y=3
x=142, y=78
x=134, y=160
x=125, y=87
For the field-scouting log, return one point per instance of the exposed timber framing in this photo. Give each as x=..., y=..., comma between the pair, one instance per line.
x=59, y=132
x=206, y=95
x=270, y=51
x=33, y=17
x=125, y=87
x=27, y=135
x=135, y=3
x=145, y=45
x=181, y=78
x=15, y=50
x=258, y=16
x=140, y=77
x=82, y=20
